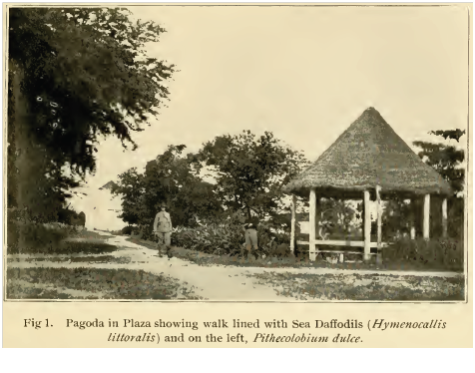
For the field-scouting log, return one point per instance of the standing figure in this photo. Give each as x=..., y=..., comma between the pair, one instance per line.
x=267, y=242
x=162, y=227
x=82, y=219
x=250, y=235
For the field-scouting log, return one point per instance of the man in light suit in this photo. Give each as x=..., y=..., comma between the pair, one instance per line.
x=162, y=228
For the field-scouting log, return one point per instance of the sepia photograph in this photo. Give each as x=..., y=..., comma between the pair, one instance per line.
x=236, y=153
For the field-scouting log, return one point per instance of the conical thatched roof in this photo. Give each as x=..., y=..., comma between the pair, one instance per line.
x=367, y=154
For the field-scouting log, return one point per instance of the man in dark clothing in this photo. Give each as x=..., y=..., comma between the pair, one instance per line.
x=267, y=241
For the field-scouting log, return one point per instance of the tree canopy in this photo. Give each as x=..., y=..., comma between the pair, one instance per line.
x=447, y=160
x=245, y=173
x=77, y=75
x=251, y=170
x=172, y=178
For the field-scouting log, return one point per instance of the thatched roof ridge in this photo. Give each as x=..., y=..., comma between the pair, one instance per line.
x=367, y=154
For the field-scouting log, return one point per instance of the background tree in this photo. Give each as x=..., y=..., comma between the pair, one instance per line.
x=251, y=170
x=172, y=178
x=396, y=217
x=448, y=161
x=337, y=218
x=76, y=75
x=130, y=187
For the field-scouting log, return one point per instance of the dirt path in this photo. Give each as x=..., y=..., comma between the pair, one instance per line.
x=212, y=283
x=220, y=283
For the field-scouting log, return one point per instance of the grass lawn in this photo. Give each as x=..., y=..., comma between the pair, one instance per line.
x=211, y=259
x=364, y=287
x=69, y=247
x=87, y=248
x=74, y=259
x=39, y=239
x=87, y=234
x=91, y=283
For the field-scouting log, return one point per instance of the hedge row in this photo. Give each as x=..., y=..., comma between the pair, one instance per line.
x=224, y=239
x=441, y=253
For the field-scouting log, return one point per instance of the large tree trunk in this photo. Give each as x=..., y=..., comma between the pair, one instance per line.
x=32, y=191
x=11, y=143
x=17, y=127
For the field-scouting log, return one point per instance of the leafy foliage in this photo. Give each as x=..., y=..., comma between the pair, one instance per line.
x=338, y=217
x=227, y=238
x=251, y=170
x=172, y=178
x=130, y=187
x=81, y=74
x=447, y=160
x=442, y=254
x=39, y=239
x=449, y=134
x=248, y=171
x=85, y=73
x=126, y=230
x=397, y=217
x=216, y=239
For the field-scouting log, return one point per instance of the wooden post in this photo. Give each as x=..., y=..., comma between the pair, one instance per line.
x=292, y=226
x=379, y=256
x=367, y=226
x=317, y=217
x=317, y=223
x=412, y=220
x=444, y=218
x=312, y=217
x=425, y=225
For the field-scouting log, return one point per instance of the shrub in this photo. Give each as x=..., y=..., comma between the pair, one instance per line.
x=212, y=238
x=25, y=236
x=227, y=238
x=127, y=230
x=41, y=239
x=434, y=254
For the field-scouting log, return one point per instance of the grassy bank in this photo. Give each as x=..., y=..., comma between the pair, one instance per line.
x=66, y=247
x=91, y=283
x=45, y=244
x=73, y=259
x=364, y=287
x=41, y=239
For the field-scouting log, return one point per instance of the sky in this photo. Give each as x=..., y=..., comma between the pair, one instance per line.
x=304, y=73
